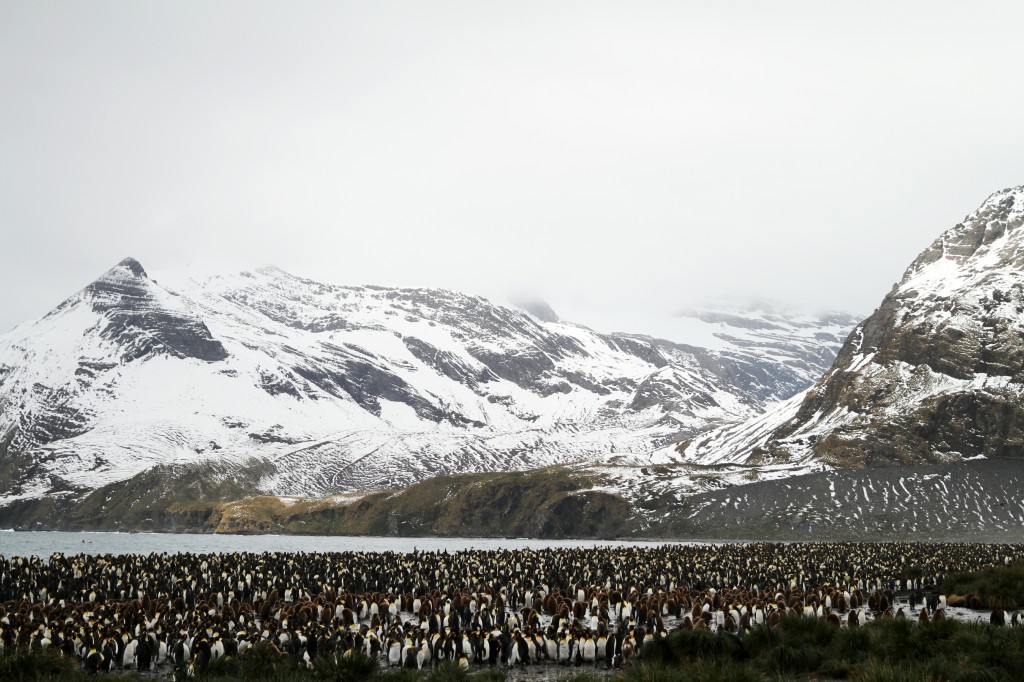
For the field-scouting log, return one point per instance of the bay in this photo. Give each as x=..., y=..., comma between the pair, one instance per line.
x=45, y=543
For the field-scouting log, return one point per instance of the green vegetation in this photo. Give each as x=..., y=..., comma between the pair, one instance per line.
x=23, y=666
x=810, y=649
x=1000, y=587
x=555, y=502
x=182, y=498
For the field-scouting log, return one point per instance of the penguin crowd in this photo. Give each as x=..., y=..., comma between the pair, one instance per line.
x=593, y=606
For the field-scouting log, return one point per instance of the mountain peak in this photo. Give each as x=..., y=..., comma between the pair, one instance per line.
x=145, y=319
x=537, y=307
x=133, y=266
x=999, y=216
x=127, y=273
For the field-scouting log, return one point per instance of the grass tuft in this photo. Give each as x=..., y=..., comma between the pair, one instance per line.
x=996, y=587
x=36, y=665
x=879, y=671
x=793, y=659
x=696, y=645
x=815, y=631
x=761, y=639
x=851, y=644
x=983, y=675
x=354, y=667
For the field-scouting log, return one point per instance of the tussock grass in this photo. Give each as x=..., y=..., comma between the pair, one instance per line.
x=997, y=587
x=24, y=666
x=721, y=671
x=786, y=658
x=988, y=647
x=814, y=631
x=354, y=667
x=891, y=638
x=651, y=672
x=886, y=650
x=694, y=645
x=851, y=644
x=984, y=675
x=761, y=640
x=700, y=671
x=878, y=671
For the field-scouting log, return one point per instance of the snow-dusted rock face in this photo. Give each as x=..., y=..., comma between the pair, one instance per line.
x=781, y=352
x=334, y=388
x=935, y=374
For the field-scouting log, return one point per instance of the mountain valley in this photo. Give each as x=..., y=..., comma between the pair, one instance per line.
x=305, y=389
x=257, y=401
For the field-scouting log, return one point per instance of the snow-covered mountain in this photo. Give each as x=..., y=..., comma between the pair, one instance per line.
x=936, y=374
x=335, y=388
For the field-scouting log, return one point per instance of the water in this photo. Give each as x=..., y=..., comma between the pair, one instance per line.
x=45, y=543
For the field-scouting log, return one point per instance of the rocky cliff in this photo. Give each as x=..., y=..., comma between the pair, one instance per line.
x=935, y=375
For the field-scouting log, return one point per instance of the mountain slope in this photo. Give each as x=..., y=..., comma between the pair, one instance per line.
x=327, y=389
x=976, y=501
x=936, y=374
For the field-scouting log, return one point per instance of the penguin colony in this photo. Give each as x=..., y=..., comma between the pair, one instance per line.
x=582, y=606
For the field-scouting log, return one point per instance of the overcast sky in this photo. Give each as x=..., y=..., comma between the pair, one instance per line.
x=604, y=156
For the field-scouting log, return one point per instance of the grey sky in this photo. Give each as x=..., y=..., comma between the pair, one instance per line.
x=601, y=155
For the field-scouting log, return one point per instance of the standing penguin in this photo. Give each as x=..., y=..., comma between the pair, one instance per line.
x=93, y=661
x=522, y=649
x=143, y=655
x=411, y=657
x=423, y=655
x=590, y=650
x=394, y=653
x=180, y=653
x=203, y=655
x=128, y=656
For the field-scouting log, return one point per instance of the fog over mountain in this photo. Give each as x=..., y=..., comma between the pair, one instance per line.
x=613, y=159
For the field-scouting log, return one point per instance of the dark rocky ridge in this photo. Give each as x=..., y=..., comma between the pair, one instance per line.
x=143, y=325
